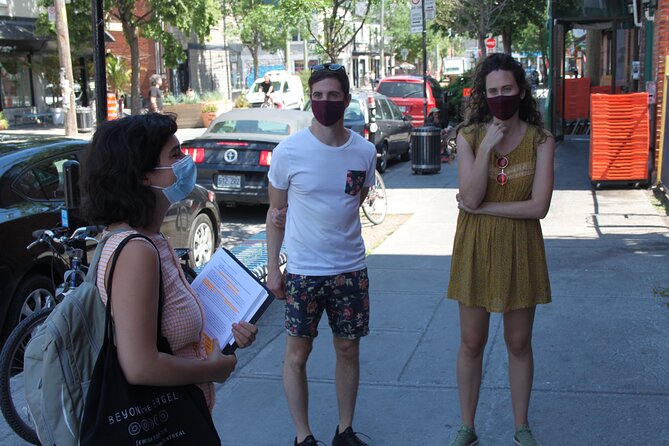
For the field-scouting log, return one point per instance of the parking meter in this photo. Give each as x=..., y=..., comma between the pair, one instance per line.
x=71, y=189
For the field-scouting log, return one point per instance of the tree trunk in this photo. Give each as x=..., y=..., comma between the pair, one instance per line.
x=135, y=92
x=506, y=40
x=66, y=76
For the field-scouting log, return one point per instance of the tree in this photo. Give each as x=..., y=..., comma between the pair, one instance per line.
x=397, y=29
x=476, y=18
x=157, y=20
x=260, y=24
x=518, y=16
x=339, y=19
x=79, y=24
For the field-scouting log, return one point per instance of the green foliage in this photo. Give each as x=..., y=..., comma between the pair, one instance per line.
x=456, y=103
x=118, y=75
x=170, y=99
x=212, y=96
x=661, y=292
x=78, y=24
x=304, y=77
x=242, y=101
x=209, y=107
x=4, y=124
x=337, y=23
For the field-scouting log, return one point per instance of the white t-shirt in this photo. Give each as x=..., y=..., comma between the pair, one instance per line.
x=323, y=233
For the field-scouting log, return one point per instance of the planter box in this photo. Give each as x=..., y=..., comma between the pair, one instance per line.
x=190, y=115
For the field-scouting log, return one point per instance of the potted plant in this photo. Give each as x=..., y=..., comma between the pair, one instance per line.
x=209, y=112
x=4, y=124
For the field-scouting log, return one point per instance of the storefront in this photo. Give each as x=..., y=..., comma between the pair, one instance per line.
x=18, y=46
x=596, y=47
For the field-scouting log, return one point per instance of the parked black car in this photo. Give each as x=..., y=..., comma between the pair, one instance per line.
x=379, y=120
x=234, y=154
x=31, y=198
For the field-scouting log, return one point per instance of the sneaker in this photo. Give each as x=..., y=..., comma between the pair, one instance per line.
x=465, y=437
x=347, y=438
x=309, y=441
x=524, y=437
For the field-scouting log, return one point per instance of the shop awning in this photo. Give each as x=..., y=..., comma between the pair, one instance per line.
x=18, y=34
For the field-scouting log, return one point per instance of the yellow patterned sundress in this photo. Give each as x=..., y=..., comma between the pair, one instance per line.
x=499, y=263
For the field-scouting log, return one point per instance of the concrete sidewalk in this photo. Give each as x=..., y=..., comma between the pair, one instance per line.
x=601, y=354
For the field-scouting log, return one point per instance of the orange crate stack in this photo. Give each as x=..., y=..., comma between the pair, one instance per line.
x=619, y=137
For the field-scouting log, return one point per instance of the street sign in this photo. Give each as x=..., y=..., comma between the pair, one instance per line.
x=490, y=43
x=429, y=10
x=416, y=19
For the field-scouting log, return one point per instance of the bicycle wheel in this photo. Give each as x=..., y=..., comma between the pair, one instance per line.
x=375, y=205
x=12, y=395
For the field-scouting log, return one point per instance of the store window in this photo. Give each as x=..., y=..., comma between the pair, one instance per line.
x=15, y=78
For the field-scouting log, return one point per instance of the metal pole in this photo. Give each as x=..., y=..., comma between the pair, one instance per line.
x=99, y=64
x=382, y=66
x=422, y=6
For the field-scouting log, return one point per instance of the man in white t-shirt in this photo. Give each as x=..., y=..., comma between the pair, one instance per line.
x=322, y=174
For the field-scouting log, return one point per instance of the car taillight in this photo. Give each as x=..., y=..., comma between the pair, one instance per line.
x=197, y=153
x=265, y=158
x=366, y=133
x=212, y=196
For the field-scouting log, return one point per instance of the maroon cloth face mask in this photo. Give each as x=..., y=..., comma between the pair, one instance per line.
x=328, y=112
x=503, y=107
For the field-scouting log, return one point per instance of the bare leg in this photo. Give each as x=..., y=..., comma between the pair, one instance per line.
x=518, y=337
x=347, y=377
x=473, y=337
x=295, y=383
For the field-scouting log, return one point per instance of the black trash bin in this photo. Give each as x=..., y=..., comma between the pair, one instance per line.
x=84, y=119
x=426, y=150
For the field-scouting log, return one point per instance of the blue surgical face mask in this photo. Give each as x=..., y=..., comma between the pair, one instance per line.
x=186, y=173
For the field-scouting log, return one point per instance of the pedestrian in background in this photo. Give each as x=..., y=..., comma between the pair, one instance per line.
x=322, y=174
x=505, y=171
x=156, y=94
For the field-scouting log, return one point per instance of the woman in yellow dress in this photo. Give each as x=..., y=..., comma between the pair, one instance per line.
x=505, y=171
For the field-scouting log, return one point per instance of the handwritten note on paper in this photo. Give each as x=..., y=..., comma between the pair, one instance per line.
x=229, y=293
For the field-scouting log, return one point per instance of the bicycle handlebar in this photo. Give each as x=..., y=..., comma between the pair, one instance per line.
x=57, y=235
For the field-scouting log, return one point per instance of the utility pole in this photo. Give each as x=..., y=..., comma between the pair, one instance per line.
x=66, y=76
x=99, y=62
x=422, y=5
x=382, y=65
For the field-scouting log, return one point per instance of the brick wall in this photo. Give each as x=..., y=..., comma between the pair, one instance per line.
x=147, y=52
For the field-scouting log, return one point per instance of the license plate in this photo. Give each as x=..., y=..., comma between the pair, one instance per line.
x=229, y=181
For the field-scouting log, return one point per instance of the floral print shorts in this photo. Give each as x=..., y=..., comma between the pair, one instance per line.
x=344, y=297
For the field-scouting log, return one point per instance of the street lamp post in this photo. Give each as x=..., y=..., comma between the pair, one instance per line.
x=99, y=62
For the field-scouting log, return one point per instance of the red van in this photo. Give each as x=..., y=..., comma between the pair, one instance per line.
x=407, y=93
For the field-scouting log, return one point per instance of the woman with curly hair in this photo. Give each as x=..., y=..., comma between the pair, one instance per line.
x=505, y=171
x=133, y=171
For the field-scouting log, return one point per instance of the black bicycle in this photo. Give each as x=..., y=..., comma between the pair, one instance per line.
x=72, y=250
x=12, y=395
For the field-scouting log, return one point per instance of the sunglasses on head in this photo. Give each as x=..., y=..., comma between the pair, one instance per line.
x=327, y=66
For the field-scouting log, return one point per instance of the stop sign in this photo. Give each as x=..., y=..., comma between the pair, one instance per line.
x=490, y=43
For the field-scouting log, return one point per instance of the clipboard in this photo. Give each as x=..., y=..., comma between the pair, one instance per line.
x=230, y=348
x=229, y=292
